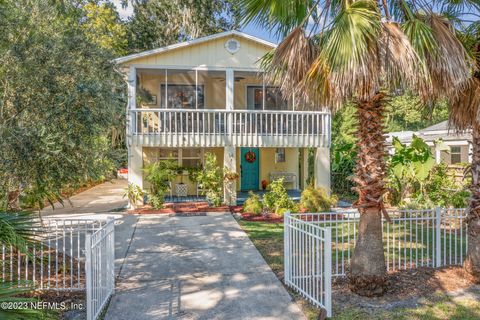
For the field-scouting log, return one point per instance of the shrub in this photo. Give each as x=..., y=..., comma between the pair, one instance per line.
x=133, y=193
x=211, y=179
x=253, y=204
x=159, y=174
x=316, y=200
x=277, y=199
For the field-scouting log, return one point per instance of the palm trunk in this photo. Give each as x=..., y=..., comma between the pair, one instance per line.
x=472, y=261
x=367, y=267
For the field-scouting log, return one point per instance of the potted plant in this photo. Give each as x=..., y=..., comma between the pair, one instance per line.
x=264, y=185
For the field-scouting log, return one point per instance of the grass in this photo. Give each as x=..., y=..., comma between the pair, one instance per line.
x=268, y=239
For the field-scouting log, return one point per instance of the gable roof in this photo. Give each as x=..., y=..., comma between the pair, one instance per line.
x=193, y=42
x=441, y=126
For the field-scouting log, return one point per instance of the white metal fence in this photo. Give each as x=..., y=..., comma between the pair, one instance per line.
x=56, y=261
x=320, y=245
x=100, y=268
x=414, y=238
x=308, y=261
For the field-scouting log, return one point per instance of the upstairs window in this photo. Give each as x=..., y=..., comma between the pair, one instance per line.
x=182, y=96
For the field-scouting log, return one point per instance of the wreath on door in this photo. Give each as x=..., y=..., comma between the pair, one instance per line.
x=250, y=156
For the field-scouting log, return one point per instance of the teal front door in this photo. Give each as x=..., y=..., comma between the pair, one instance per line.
x=250, y=161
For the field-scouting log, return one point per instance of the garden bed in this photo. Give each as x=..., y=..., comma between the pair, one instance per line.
x=181, y=208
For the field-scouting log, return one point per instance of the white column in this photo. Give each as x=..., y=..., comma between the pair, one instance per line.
x=322, y=168
x=438, y=155
x=304, y=152
x=230, y=186
x=135, y=166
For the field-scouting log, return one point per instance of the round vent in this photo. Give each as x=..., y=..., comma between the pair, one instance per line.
x=232, y=46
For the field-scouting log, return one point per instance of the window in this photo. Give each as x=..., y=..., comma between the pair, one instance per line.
x=280, y=155
x=187, y=158
x=455, y=154
x=273, y=98
x=182, y=96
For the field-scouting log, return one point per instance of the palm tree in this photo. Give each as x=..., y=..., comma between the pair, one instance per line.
x=465, y=114
x=337, y=51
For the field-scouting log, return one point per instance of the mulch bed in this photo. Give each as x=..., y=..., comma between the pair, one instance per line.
x=270, y=218
x=405, y=288
x=187, y=208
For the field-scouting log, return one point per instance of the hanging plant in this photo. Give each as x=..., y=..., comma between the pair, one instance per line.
x=250, y=156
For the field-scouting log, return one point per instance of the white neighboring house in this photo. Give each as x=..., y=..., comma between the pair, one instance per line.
x=460, y=144
x=209, y=95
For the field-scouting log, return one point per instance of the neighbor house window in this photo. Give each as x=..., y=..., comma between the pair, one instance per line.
x=455, y=154
x=182, y=96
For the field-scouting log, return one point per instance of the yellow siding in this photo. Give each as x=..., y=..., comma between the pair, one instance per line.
x=267, y=163
x=211, y=53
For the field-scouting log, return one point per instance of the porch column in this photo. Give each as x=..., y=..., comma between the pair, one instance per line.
x=438, y=155
x=230, y=186
x=322, y=168
x=304, y=166
x=135, y=166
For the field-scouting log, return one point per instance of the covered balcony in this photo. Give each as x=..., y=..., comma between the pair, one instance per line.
x=218, y=108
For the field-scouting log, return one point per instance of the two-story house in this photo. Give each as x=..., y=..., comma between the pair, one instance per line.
x=209, y=95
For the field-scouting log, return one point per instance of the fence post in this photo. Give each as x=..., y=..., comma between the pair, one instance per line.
x=328, y=271
x=286, y=246
x=88, y=275
x=111, y=220
x=438, y=237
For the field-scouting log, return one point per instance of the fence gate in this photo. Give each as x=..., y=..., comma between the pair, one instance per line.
x=100, y=268
x=308, y=261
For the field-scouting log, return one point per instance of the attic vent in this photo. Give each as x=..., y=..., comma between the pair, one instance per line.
x=232, y=46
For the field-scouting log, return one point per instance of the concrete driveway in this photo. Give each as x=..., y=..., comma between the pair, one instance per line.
x=202, y=267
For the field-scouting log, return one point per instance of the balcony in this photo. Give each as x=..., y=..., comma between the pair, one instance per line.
x=220, y=128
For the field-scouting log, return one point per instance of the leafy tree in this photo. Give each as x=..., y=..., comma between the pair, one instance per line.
x=405, y=112
x=59, y=100
x=103, y=27
x=334, y=52
x=157, y=23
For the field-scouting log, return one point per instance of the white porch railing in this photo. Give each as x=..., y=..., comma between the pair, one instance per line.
x=219, y=128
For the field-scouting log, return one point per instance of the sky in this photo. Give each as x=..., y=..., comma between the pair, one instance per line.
x=250, y=29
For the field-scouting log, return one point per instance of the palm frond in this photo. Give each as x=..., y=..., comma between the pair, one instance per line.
x=348, y=50
x=401, y=65
x=465, y=106
x=17, y=230
x=450, y=65
x=287, y=65
x=281, y=16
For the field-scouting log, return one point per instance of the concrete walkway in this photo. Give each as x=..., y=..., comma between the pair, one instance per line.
x=102, y=198
x=202, y=267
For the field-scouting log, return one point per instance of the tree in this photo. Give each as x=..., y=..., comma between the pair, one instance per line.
x=157, y=23
x=103, y=27
x=465, y=114
x=339, y=51
x=59, y=100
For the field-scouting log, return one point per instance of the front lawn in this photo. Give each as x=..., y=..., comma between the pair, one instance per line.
x=268, y=239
